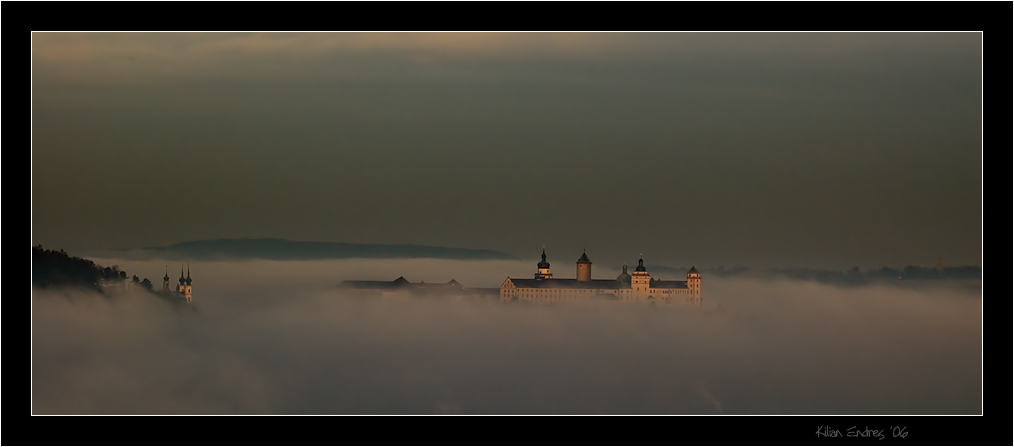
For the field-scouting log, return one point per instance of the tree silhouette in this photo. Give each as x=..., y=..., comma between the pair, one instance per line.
x=51, y=268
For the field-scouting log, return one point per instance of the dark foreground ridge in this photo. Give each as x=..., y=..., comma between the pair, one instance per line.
x=57, y=269
x=285, y=250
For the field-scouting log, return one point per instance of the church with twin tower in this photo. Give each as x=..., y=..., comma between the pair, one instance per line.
x=638, y=286
x=183, y=289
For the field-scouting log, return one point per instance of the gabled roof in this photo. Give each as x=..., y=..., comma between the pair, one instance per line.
x=569, y=284
x=606, y=284
x=434, y=285
x=663, y=284
x=400, y=283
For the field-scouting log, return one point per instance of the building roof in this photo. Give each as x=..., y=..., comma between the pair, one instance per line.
x=584, y=259
x=403, y=284
x=352, y=284
x=606, y=284
x=640, y=265
x=663, y=284
x=624, y=276
x=693, y=270
x=452, y=284
x=553, y=283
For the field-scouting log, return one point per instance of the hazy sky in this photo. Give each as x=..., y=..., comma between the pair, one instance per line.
x=692, y=148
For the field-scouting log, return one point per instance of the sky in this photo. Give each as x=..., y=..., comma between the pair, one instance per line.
x=268, y=337
x=760, y=149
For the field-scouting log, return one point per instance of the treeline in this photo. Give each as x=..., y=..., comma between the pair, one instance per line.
x=855, y=276
x=52, y=268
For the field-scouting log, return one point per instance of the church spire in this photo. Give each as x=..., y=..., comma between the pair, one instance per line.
x=543, y=267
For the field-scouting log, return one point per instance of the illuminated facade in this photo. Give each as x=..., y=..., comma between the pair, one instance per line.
x=183, y=289
x=638, y=286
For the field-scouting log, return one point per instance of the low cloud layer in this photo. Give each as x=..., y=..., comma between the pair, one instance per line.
x=259, y=343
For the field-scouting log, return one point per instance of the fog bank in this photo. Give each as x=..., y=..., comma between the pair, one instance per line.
x=263, y=338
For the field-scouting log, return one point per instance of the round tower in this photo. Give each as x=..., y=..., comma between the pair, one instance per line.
x=694, y=283
x=543, y=266
x=584, y=268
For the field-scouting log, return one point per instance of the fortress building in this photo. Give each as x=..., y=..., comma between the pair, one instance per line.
x=401, y=285
x=635, y=287
x=183, y=289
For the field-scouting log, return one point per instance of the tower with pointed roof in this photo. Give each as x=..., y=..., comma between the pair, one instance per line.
x=188, y=291
x=184, y=288
x=182, y=281
x=584, y=267
x=694, y=283
x=640, y=280
x=543, y=267
x=634, y=287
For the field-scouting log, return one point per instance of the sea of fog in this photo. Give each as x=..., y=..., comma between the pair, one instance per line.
x=266, y=337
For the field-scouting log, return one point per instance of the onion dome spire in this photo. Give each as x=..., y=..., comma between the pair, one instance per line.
x=182, y=279
x=166, y=273
x=640, y=265
x=543, y=264
x=188, y=275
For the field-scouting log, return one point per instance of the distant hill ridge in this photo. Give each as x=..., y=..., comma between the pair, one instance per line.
x=284, y=250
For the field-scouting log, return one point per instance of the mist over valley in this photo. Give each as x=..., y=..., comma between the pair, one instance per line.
x=277, y=337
